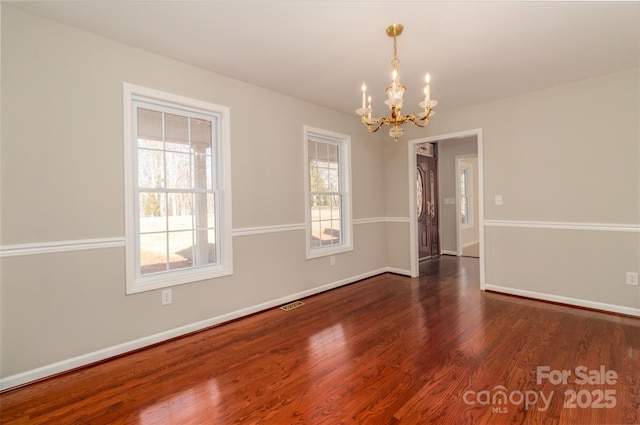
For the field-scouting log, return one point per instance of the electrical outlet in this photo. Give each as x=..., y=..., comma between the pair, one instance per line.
x=333, y=260
x=632, y=278
x=166, y=297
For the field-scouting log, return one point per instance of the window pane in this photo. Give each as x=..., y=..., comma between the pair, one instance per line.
x=210, y=174
x=201, y=170
x=211, y=211
x=149, y=129
x=332, y=156
x=176, y=133
x=321, y=180
x=150, y=168
x=313, y=176
x=325, y=232
x=464, y=181
x=178, y=170
x=201, y=151
x=334, y=181
x=204, y=247
x=180, y=249
x=326, y=212
x=336, y=208
x=213, y=259
x=180, y=206
x=315, y=234
x=152, y=212
x=201, y=135
x=321, y=152
x=153, y=253
x=463, y=210
x=313, y=150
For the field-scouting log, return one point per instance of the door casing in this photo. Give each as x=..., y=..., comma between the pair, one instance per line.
x=413, y=225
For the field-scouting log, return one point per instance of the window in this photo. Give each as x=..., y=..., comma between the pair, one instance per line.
x=328, y=187
x=466, y=195
x=177, y=184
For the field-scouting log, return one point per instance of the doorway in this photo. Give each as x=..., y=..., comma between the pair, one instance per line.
x=427, y=207
x=447, y=200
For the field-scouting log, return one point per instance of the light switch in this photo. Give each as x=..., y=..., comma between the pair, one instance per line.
x=498, y=199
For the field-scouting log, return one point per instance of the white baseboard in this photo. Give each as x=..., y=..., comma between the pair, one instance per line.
x=116, y=350
x=565, y=300
x=445, y=252
x=398, y=271
x=106, y=353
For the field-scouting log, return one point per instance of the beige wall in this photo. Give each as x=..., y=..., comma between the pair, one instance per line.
x=565, y=161
x=62, y=180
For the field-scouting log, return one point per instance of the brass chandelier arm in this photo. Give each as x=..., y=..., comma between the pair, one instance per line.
x=376, y=123
x=420, y=122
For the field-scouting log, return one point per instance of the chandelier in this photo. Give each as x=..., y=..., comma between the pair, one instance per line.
x=394, y=99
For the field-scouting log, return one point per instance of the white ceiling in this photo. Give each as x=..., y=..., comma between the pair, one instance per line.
x=321, y=51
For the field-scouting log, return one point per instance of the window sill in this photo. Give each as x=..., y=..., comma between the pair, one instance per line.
x=325, y=252
x=169, y=279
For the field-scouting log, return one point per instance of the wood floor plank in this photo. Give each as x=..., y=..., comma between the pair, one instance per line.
x=388, y=350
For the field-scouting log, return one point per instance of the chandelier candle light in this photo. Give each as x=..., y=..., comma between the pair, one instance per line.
x=394, y=99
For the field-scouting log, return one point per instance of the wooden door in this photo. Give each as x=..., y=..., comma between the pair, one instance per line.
x=427, y=204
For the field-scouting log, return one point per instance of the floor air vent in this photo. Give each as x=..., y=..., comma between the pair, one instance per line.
x=292, y=305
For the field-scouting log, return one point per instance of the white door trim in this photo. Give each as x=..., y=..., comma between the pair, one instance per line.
x=413, y=225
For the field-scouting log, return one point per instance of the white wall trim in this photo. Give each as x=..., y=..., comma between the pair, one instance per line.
x=108, y=352
x=372, y=220
x=608, y=227
x=260, y=230
x=565, y=300
x=397, y=219
x=17, y=250
x=59, y=246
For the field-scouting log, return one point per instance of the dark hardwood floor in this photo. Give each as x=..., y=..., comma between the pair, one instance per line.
x=387, y=350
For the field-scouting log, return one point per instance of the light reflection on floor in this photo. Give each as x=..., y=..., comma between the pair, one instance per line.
x=179, y=408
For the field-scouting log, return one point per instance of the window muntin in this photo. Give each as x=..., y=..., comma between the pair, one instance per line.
x=178, y=227
x=328, y=186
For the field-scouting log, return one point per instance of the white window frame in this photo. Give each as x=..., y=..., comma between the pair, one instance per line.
x=343, y=142
x=135, y=282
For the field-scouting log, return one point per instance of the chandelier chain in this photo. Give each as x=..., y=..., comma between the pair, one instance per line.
x=395, y=62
